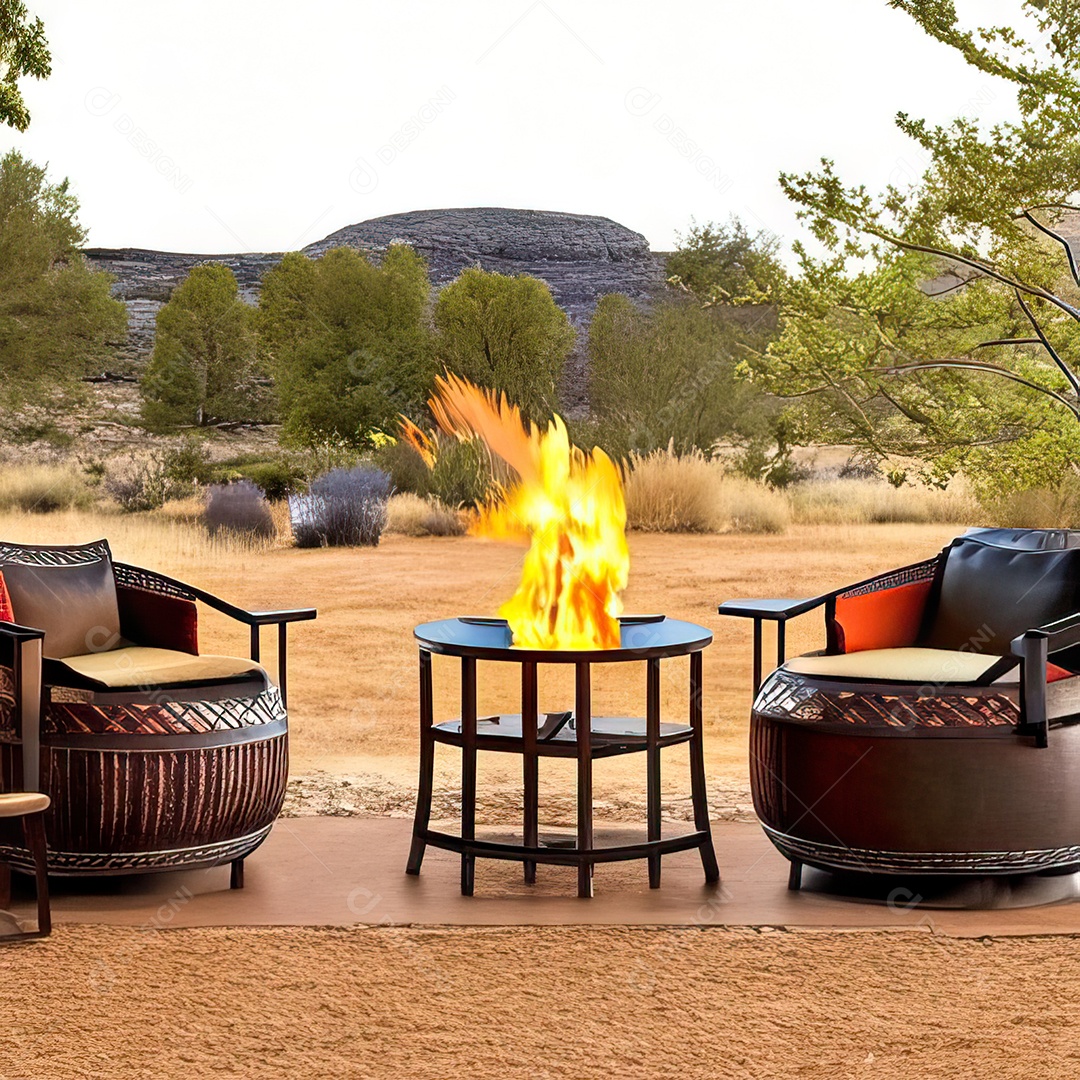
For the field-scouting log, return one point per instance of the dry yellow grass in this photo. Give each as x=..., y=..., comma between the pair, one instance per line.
x=410, y=515
x=353, y=671
x=692, y=493
x=44, y=488
x=665, y=493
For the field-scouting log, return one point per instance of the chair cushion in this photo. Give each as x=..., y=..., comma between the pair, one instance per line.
x=988, y=595
x=75, y=605
x=885, y=619
x=930, y=666
x=158, y=620
x=139, y=667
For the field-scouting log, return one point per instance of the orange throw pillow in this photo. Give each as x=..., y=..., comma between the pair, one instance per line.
x=887, y=619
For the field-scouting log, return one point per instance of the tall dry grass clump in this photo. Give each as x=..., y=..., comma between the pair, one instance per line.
x=410, y=515
x=666, y=492
x=44, y=489
x=870, y=502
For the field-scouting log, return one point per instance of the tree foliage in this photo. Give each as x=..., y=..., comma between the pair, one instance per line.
x=204, y=369
x=23, y=52
x=984, y=378
x=347, y=342
x=56, y=315
x=669, y=376
x=505, y=333
x=726, y=263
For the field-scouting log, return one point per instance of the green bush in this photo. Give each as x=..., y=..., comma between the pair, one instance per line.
x=408, y=472
x=277, y=479
x=462, y=473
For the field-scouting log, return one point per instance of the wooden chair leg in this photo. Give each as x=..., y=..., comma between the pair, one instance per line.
x=236, y=874
x=5, y=885
x=794, y=881
x=34, y=831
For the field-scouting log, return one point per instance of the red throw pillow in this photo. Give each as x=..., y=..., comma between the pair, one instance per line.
x=6, y=614
x=1056, y=674
x=886, y=619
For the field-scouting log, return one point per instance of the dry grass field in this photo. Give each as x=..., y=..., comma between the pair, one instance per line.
x=353, y=686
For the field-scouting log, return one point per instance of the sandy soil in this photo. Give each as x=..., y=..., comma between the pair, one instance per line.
x=538, y=1003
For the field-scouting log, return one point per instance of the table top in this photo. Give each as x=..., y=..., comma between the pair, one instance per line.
x=644, y=637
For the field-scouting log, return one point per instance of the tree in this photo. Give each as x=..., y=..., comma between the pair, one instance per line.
x=668, y=375
x=56, y=315
x=23, y=51
x=725, y=263
x=990, y=210
x=505, y=333
x=347, y=343
x=203, y=369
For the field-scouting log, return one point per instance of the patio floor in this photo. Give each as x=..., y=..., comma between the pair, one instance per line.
x=349, y=871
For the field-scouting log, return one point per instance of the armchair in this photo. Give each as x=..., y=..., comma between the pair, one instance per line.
x=155, y=755
x=936, y=732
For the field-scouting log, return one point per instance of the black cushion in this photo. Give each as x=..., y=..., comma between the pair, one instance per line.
x=987, y=595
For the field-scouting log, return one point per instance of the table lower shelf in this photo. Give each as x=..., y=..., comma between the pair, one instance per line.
x=609, y=735
x=563, y=856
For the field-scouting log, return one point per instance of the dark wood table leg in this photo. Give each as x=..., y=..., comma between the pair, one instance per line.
x=583, y=727
x=236, y=874
x=5, y=886
x=422, y=817
x=468, y=770
x=697, y=772
x=34, y=832
x=652, y=764
x=530, y=765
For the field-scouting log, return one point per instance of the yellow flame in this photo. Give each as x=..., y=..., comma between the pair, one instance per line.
x=568, y=503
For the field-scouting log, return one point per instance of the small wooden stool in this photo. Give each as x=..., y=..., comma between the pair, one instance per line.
x=31, y=807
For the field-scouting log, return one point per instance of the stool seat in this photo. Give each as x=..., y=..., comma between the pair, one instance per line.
x=18, y=803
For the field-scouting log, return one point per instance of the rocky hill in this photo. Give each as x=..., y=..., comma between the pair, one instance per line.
x=581, y=257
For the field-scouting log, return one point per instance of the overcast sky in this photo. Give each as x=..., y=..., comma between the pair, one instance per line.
x=263, y=125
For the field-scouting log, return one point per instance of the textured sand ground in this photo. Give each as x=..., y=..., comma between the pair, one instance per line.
x=540, y=1003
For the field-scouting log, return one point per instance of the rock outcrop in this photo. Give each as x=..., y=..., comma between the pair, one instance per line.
x=581, y=258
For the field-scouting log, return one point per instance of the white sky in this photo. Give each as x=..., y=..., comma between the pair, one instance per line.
x=263, y=125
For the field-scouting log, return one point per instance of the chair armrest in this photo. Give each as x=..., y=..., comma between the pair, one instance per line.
x=19, y=633
x=1058, y=635
x=1034, y=647
x=778, y=611
x=771, y=609
x=26, y=642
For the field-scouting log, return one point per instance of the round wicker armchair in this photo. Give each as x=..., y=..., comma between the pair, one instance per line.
x=155, y=756
x=937, y=733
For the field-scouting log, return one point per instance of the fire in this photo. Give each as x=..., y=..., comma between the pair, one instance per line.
x=568, y=503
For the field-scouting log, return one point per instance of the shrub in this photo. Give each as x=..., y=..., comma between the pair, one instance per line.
x=277, y=479
x=666, y=492
x=139, y=483
x=188, y=462
x=462, y=473
x=240, y=509
x=407, y=469
x=42, y=489
x=344, y=507
x=411, y=515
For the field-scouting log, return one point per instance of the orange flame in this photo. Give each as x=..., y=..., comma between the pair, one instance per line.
x=569, y=504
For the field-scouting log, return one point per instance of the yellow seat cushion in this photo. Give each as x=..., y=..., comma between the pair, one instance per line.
x=17, y=803
x=139, y=666
x=931, y=666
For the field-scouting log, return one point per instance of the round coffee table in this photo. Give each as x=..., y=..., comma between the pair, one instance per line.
x=577, y=734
